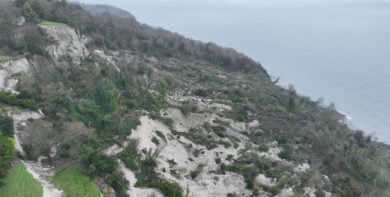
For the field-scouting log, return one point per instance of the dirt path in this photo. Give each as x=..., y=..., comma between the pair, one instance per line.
x=40, y=172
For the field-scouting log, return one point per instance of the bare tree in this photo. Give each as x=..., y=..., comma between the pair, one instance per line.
x=40, y=139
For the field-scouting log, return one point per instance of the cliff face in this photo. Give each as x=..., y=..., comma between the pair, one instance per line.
x=67, y=44
x=8, y=70
x=144, y=122
x=189, y=154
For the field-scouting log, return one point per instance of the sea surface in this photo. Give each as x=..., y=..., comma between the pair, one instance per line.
x=338, y=50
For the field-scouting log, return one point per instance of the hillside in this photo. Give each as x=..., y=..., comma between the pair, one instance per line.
x=100, y=105
x=100, y=9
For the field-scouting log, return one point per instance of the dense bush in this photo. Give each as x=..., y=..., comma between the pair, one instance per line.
x=130, y=156
x=118, y=183
x=166, y=187
x=122, y=33
x=111, y=101
x=96, y=162
x=7, y=126
x=144, y=169
x=6, y=154
x=249, y=173
x=11, y=99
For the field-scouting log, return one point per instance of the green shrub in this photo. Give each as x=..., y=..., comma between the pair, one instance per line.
x=194, y=173
x=320, y=193
x=276, y=172
x=167, y=188
x=118, y=183
x=96, y=162
x=221, y=122
x=263, y=148
x=281, y=139
x=211, y=146
x=286, y=153
x=249, y=173
x=225, y=144
x=166, y=120
x=105, y=96
x=7, y=126
x=155, y=141
x=11, y=99
x=160, y=134
x=130, y=156
x=218, y=129
x=65, y=151
x=6, y=154
x=261, y=164
x=218, y=160
x=147, y=177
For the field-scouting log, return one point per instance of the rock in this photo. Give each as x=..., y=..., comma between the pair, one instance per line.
x=69, y=44
x=8, y=69
x=263, y=180
x=107, y=58
x=19, y=21
x=287, y=192
x=302, y=168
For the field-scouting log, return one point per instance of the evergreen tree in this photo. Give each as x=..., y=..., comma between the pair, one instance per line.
x=6, y=30
x=20, y=3
x=37, y=6
x=29, y=14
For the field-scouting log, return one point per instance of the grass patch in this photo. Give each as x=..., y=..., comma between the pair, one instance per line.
x=11, y=99
x=20, y=183
x=50, y=23
x=75, y=183
x=4, y=58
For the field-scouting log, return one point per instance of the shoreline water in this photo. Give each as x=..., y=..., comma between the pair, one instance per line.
x=337, y=50
x=348, y=118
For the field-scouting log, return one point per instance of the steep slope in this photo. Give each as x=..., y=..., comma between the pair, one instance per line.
x=68, y=44
x=144, y=112
x=100, y=9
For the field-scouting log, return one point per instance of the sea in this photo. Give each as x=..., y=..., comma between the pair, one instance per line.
x=334, y=50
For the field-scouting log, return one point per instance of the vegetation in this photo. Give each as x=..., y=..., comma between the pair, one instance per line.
x=20, y=183
x=75, y=183
x=194, y=173
x=249, y=171
x=91, y=106
x=130, y=156
x=50, y=23
x=4, y=58
x=31, y=39
x=11, y=99
x=155, y=141
x=6, y=126
x=97, y=164
x=6, y=154
x=161, y=135
x=144, y=169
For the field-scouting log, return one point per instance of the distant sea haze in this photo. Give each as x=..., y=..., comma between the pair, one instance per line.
x=336, y=50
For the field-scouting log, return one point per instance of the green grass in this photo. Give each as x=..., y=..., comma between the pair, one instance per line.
x=20, y=183
x=50, y=23
x=4, y=58
x=75, y=183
